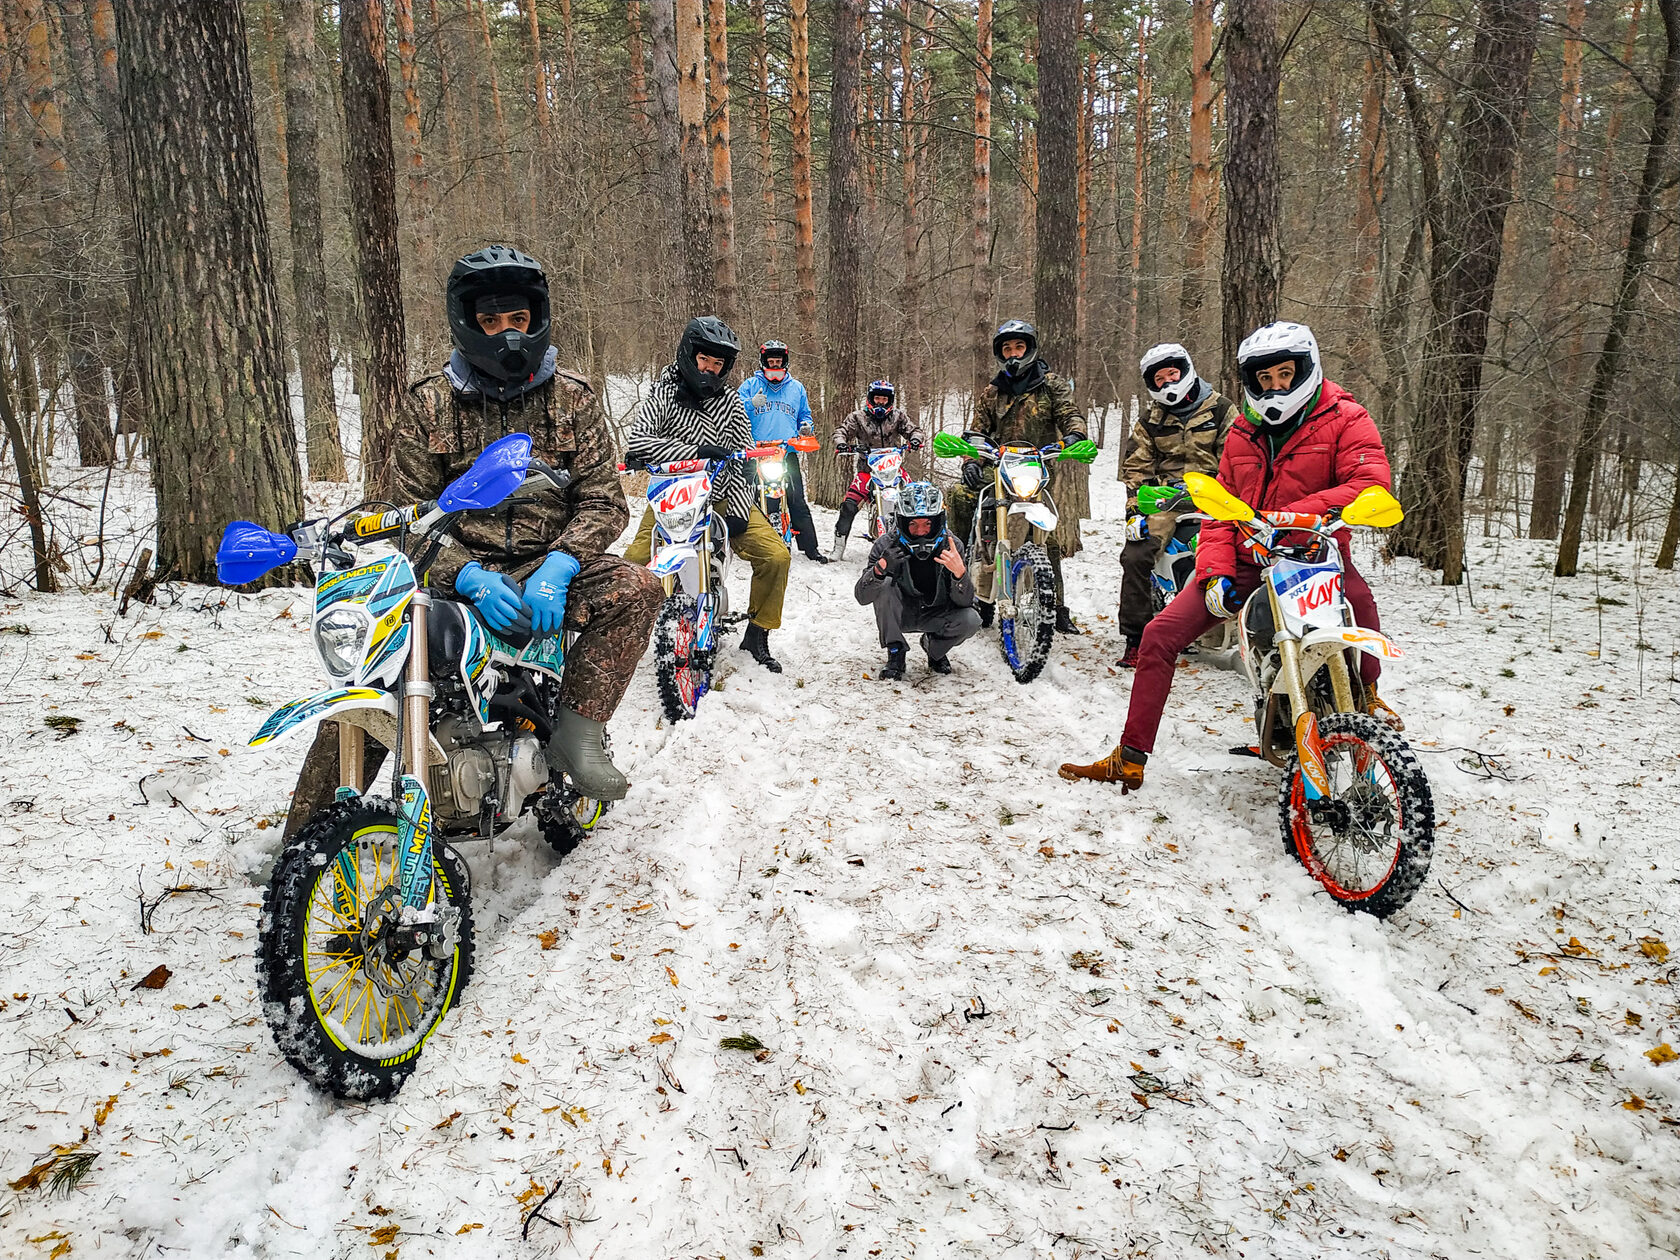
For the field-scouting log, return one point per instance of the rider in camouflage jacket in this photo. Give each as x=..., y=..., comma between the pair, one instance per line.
x=1025, y=402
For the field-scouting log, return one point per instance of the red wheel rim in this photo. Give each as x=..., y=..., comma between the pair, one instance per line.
x=683, y=645
x=1300, y=823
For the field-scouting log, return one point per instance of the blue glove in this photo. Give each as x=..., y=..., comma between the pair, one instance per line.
x=1221, y=597
x=545, y=593
x=491, y=593
x=1137, y=527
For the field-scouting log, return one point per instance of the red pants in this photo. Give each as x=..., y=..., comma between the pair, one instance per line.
x=859, y=489
x=1185, y=620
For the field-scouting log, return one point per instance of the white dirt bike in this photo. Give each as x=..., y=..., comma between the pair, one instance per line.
x=1023, y=585
x=1355, y=806
x=366, y=933
x=886, y=474
x=688, y=553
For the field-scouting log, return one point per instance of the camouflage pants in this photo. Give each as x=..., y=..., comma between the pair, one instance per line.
x=960, y=503
x=610, y=605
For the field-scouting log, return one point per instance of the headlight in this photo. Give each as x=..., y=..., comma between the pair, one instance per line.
x=1025, y=479
x=678, y=523
x=771, y=469
x=340, y=639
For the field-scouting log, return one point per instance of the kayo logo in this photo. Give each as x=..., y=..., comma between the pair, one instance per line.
x=678, y=496
x=1319, y=592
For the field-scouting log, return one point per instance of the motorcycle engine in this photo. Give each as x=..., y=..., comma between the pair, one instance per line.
x=470, y=774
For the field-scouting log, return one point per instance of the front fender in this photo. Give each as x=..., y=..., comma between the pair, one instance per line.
x=1036, y=513
x=1355, y=637
x=311, y=711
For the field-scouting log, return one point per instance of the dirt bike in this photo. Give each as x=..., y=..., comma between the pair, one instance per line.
x=1022, y=584
x=688, y=552
x=773, y=483
x=886, y=474
x=1355, y=806
x=1175, y=565
x=366, y=933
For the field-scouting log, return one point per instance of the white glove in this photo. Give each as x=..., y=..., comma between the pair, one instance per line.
x=1137, y=527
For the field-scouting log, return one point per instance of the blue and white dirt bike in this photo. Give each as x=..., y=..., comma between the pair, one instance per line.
x=688, y=552
x=1175, y=567
x=366, y=935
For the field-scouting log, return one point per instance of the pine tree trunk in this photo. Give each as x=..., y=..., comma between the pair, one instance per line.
x=1464, y=265
x=502, y=145
x=372, y=178
x=1250, y=277
x=1609, y=363
x=981, y=281
x=908, y=340
x=1087, y=144
x=1140, y=184
x=845, y=243
x=662, y=34
x=766, y=157
x=723, y=168
x=1368, y=197
x=696, y=178
x=1056, y=270
x=1552, y=440
x=429, y=335
x=638, y=75
x=58, y=259
x=309, y=271
x=804, y=236
x=211, y=364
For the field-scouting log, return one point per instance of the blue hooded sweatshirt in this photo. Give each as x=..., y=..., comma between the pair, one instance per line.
x=779, y=410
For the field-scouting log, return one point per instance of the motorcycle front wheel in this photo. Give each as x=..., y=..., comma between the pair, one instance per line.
x=1025, y=635
x=348, y=1005
x=1369, y=844
x=683, y=676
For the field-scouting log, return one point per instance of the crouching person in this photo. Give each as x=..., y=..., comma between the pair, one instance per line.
x=918, y=580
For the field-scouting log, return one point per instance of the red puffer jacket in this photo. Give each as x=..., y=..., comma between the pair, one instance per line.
x=1334, y=455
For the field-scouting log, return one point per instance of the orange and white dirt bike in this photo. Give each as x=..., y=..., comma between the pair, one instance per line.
x=772, y=475
x=1355, y=806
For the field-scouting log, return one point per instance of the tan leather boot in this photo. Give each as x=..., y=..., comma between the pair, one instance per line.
x=1123, y=766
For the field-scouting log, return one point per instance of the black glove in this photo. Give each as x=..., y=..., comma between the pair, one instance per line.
x=916, y=443
x=974, y=477
x=736, y=525
x=1074, y=438
x=711, y=452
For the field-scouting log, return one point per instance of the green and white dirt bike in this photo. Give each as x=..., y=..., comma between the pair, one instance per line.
x=1023, y=586
x=366, y=933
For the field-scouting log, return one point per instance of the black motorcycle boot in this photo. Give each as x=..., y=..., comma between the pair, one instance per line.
x=1065, y=624
x=756, y=644
x=893, y=670
x=987, y=612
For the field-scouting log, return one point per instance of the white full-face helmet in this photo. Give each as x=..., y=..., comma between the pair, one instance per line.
x=1168, y=354
x=1282, y=342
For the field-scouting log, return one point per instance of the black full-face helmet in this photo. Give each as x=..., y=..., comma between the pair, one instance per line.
x=709, y=335
x=495, y=280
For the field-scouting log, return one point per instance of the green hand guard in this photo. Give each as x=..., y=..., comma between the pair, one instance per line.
x=950, y=446
x=1084, y=452
x=1153, y=499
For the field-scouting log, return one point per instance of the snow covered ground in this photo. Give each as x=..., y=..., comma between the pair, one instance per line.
x=1001, y=1015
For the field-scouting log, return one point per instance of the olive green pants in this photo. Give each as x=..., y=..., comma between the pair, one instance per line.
x=759, y=545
